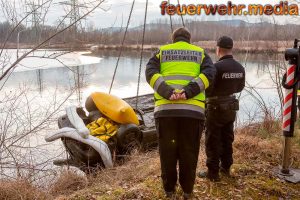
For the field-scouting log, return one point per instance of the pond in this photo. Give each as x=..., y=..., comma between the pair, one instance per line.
x=76, y=82
x=98, y=76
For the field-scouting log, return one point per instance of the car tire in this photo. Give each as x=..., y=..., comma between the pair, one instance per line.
x=129, y=137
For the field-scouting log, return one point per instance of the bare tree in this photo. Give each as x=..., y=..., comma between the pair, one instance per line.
x=6, y=70
x=24, y=116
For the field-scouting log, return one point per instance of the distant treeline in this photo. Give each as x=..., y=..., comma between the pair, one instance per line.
x=156, y=33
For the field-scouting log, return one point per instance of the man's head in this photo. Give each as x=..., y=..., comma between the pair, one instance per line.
x=181, y=34
x=224, y=46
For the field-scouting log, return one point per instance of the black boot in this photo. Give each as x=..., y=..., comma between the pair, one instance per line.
x=170, y=195
x=225, y=172
x=210, y=174
x=187, y=196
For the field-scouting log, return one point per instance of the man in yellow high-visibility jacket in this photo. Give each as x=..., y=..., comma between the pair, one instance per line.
x=179, y=73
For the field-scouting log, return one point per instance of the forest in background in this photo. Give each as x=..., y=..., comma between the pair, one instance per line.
x=156, y=33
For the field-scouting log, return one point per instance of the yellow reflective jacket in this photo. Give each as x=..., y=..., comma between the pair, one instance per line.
x=177, y=66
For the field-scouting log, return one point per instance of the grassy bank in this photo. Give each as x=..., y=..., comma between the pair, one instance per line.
x=257, y=150
x=240, y=46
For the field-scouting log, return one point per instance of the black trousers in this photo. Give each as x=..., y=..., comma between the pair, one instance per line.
x=219, y=137
x=179, y=141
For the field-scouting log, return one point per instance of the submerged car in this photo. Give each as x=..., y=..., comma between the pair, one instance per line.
x=130, y=129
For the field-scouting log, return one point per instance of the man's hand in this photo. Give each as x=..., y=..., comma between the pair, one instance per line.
x=178, y=95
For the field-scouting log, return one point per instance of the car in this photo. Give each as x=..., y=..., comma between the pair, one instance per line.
x=89, y=153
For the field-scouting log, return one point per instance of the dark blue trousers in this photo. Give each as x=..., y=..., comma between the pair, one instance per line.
x=179, y=143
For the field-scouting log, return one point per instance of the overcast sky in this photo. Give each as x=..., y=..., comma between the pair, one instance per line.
x=120, y=9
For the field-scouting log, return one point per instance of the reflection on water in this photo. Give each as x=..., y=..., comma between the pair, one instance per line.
x=87, y=78
x=46, y=83
x=100, y=75
x=97, y=77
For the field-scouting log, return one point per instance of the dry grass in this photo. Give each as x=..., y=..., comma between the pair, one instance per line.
x=20, y=190
x=133, y=180
x=255, y=157
x=68, y=183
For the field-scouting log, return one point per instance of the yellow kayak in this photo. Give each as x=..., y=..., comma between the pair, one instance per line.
x=115, y=108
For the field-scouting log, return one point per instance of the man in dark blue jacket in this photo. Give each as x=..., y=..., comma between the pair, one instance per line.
x=222, y=106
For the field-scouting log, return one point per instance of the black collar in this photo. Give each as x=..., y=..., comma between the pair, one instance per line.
x=181, y=39
x=226, y=57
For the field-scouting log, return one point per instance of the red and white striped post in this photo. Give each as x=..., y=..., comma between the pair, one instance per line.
x=290, y=84
x=288, y=101
x=289, y=116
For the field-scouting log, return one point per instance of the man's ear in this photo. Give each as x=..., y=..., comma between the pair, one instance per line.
x=217, y=51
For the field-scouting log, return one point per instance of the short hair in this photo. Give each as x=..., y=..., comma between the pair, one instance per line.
x=225, y=42
x=181, y=34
